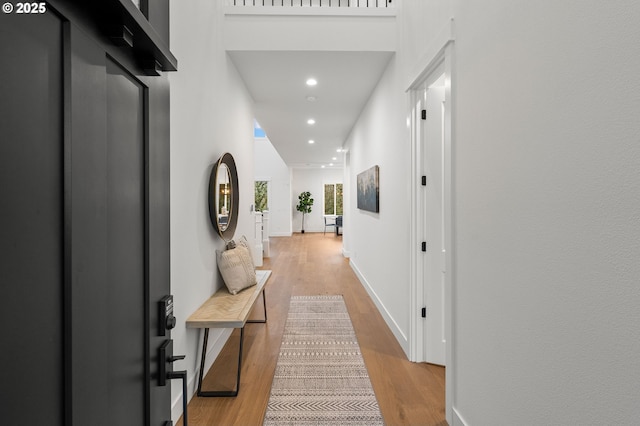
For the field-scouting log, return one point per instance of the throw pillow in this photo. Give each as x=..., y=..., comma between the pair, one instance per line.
x=236, y=268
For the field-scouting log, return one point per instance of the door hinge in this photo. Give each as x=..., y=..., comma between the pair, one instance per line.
x=424, y=181
x=424, y=114
x=423, y=312
x=424, y=246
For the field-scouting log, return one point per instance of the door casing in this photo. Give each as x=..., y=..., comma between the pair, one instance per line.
x=440, y=60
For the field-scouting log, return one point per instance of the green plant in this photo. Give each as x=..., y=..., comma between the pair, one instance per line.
x=304, y=205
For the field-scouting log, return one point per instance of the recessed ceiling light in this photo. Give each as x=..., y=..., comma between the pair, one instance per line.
x=312, y=141
x=334, y=158
x=322, y=166
x=312, y=98
x=331, y=164
x=311, y=121
x=312, y=82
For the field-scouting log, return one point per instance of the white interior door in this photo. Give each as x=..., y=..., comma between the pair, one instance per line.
x=434, y=224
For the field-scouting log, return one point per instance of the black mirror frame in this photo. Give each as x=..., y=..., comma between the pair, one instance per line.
x=229, y=231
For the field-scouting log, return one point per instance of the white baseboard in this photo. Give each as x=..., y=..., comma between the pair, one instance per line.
x=457, y=418
x=216, y=344
x=280, y=234
x=388, y=318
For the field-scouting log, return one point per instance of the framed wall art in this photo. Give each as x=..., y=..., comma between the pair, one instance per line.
x=368, y=190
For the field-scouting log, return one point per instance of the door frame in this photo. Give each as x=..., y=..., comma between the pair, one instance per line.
x=439, y=60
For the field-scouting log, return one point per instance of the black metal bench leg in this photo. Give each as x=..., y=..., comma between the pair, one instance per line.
x=264, y=304
x=205, y=340
x=214, y=393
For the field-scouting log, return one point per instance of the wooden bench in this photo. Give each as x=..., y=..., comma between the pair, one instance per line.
x=225, y=310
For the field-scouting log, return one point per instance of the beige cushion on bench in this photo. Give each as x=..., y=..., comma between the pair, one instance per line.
x=236, y=267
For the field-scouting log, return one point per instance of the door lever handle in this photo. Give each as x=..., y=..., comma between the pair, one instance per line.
x=165, y=372
x=182, y=375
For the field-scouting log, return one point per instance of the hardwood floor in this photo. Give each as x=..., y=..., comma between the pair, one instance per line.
x=309, y=264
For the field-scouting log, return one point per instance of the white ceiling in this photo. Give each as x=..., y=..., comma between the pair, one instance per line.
x=276, y=81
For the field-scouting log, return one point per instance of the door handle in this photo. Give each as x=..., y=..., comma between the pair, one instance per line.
x=182, y=375
x=166, y=372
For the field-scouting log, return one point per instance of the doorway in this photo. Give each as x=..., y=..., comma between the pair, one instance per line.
x=432, y=218
x=430, y=214
x=431, y=234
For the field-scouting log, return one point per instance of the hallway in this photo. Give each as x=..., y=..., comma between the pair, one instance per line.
x=308, y=264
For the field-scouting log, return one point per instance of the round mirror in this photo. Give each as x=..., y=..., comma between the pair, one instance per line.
x=223, y=196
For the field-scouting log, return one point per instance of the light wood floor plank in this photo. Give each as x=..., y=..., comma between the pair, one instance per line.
x=309, y=264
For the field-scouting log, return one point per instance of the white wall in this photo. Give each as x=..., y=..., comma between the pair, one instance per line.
x=377, y=242
x=269, y=166
x=311, y=180
x=382, y=137
x=547, y=224
x=546, y=161
x=211, y=113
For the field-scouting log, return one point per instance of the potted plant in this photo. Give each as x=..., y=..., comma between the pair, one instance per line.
x=304, y=205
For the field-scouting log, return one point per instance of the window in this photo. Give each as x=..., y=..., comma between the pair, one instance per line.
x=262, y=195
x=333, y=199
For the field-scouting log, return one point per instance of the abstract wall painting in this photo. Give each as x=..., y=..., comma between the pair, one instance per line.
x=369, y=190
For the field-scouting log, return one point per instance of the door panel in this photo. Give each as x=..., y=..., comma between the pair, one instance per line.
x=77, y=173
x=435, y=343
x=86, y=204
x=128, y=358
x=31, y=209
x=158, y=236
x=112, y=255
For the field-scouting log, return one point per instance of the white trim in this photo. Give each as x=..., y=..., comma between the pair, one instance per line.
x=310, y=11
x=281, y=234
x=433, y=57
x=457, y=419
x=450, y=114
x=418, y=232
x=438, y=60
x=415, y=235
x=391, y=323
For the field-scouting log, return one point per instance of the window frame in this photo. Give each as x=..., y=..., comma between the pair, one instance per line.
x=335, y=199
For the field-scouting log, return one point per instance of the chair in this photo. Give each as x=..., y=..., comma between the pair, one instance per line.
x=328, y=223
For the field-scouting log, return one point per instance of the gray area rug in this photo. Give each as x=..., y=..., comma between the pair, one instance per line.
x=320, y=377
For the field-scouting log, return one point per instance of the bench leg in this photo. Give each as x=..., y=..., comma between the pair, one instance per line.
x=205, y=341
x=210, y=393
x=264, y=304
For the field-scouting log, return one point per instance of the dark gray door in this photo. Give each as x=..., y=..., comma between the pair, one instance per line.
x=84, y=236
x=31, y=219
x=120, y=268
x=126, y=280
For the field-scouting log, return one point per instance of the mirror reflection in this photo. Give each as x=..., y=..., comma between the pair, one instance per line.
x=223, y=196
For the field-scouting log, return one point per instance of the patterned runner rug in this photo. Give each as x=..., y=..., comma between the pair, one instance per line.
x=320, y=377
